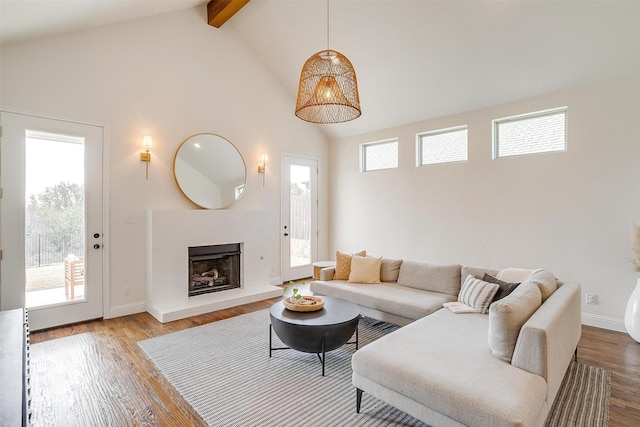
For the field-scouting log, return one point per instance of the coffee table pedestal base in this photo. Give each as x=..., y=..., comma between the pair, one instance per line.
x=322, y=354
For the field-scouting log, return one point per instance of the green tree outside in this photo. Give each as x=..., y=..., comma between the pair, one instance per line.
x=55, y=221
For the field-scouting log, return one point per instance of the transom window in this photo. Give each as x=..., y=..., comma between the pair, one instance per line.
x=379, y=155
x=539, y=132
x=442, y=146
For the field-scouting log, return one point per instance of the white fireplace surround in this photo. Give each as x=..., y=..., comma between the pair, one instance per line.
x=169, y=235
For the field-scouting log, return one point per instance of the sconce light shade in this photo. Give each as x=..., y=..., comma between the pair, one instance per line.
x=328, y=89
x=262, y=166
x=147, y=142
x=145, y=156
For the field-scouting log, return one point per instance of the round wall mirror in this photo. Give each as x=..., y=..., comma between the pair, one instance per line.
x=209, y=171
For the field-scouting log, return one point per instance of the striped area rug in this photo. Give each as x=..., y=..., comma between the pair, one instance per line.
x=224, y=372
x=583, y=398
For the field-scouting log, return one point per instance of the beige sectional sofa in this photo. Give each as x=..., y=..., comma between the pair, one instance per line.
x=500, y=368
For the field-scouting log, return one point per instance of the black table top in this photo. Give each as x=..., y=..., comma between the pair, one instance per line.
x=335, y=311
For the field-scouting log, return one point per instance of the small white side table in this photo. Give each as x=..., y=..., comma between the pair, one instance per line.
x=317, y=266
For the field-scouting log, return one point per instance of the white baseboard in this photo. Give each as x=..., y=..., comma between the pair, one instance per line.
x=275, y=281
x=603, y=322
x=126, y=310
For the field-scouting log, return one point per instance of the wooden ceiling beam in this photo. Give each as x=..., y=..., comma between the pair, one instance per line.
x=220, y=11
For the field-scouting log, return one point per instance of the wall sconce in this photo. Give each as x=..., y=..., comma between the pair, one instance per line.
x=145, y=156
x=262, y=166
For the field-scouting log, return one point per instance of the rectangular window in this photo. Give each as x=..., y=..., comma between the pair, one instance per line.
x=442, y=146
x=379, y=155
x=540, y=132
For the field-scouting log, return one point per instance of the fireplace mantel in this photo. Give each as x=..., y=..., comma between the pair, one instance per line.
x=168, y=237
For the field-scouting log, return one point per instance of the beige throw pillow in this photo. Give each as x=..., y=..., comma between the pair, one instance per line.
x=343, y=265
x=365, y=269
x=545, y=281
x=507, y=316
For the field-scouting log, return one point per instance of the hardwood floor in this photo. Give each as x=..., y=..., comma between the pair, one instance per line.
x=145, y=398
x=620, y=354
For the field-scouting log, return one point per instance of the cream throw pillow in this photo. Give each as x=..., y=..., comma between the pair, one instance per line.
x=506, y=317
x=365, y=269
x=545, y=281
x=343, y=265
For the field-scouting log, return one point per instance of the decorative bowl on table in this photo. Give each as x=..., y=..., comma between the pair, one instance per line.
x=306, y=303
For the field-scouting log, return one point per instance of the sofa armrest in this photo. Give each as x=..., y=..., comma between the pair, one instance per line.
x=327, y=273
x=547, y=341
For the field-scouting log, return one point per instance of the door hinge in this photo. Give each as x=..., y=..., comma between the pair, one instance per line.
x=0, y=193
x=0, y=255
x=0, y=131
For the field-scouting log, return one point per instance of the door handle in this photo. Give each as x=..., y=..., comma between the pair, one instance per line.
x=286, y=234
x=96, y=246
x=96, y=235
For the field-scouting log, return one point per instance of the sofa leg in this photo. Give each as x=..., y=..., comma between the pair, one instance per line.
x=575, y=355
x=358, y=399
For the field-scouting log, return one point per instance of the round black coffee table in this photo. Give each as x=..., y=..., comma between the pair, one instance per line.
x=315, y=331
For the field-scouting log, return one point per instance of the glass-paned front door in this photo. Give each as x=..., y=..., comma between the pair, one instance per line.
x=52, y=219
x=300, y=215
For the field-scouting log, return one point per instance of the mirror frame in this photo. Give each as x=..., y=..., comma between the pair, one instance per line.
x=180, y=187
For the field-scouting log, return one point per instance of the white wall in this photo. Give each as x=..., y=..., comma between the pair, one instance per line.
x=570, y=212
x=168, y=76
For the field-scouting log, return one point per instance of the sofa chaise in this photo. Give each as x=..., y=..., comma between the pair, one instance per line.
x=480, y=360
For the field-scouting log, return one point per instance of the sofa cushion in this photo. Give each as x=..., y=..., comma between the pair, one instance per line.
x=505, y=287
x=507, y=316
x=365, y=269
x=477, y=272
x=390, y=269
x=343, y=265
x=430, y=277
x=390, y=298
x=545, y=281
x=477, y=293
x=514, y=275
x=442, y=361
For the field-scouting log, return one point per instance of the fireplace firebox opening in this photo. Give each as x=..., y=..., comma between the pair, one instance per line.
x=214, y=268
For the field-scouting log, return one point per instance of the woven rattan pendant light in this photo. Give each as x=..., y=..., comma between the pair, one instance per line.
x=328, y=89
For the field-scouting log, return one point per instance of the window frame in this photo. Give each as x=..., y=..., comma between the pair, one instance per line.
x=443, y=131
x=495, y=124
x=363, y=154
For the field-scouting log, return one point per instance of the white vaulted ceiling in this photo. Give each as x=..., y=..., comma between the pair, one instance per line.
x=415, y=59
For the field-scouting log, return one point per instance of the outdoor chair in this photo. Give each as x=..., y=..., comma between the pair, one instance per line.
x=73, y=274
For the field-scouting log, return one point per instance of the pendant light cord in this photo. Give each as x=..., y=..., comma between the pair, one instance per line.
x=327, y=24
